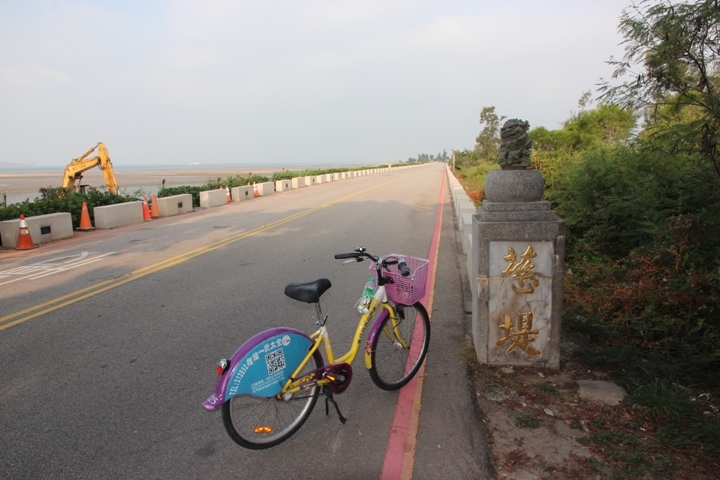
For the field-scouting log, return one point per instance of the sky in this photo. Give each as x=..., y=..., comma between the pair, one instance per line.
x=288, y=83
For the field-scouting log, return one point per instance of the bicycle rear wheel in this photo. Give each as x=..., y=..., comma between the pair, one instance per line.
x=262, y=422
x=400, y=346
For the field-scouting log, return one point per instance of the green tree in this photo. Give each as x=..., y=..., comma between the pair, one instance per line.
x=487, y=142
x=584, y=101
x=601, y=127
x=672, y=55
x=604, y=125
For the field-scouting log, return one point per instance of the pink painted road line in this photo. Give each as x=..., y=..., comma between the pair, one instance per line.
x=400, y=453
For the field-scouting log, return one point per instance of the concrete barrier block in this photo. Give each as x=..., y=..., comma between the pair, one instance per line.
x=463, y=204
x=118, y=215
x=320, y=179
x=465, y=222
x=298, y=182
x=283, y=185
x=175, y=204
x=310, y=181
x=213, y=198
x=239, y=194
x=265, y=189
x=42, y=228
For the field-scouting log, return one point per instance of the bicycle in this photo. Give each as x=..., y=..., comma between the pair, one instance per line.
x=270, y=385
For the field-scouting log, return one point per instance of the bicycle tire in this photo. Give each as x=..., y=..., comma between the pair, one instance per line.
x=244, y=414
x=393, y=365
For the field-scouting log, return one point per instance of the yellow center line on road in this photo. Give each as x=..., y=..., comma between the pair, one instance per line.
x=92, y=290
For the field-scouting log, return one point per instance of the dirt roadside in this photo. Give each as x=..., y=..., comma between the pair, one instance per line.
x=539, y=428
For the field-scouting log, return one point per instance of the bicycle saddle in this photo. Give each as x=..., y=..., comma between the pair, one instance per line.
x=308, y=292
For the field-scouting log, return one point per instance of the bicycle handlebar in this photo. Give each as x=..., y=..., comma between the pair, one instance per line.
x=404, y=269
x=339, y=256
x=360, y=254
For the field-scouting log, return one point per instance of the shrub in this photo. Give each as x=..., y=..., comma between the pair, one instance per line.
x=54, y=200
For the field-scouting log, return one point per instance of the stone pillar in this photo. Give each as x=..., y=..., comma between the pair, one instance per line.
x=518, y=255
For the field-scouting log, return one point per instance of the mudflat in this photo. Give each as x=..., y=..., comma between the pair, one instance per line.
x=128, y=178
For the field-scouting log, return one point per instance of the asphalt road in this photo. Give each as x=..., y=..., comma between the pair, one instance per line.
x=109, y=342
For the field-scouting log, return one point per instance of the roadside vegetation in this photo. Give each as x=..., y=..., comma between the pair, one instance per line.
x=55, y=200
x=636, y=178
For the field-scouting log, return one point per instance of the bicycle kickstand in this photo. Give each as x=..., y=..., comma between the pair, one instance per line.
x=330, y=398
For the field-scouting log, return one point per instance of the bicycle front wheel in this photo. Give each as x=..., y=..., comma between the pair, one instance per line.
x=262, y=422
x=400, y=346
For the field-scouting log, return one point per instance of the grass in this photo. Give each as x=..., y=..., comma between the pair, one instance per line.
x=628, y=455
x=683, y=417
x=527, y=420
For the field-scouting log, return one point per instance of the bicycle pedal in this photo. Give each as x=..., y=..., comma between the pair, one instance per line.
x=336, y=379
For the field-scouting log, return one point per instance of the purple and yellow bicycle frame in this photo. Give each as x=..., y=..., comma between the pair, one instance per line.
x=267, y=365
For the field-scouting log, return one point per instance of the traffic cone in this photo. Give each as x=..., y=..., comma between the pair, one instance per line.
x=155, y=211
x=146, y=210
x=255, y=190
x=85, y=224
x=25, y=241
x=229, y=197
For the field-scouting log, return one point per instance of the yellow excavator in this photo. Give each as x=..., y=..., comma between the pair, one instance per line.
x=75, y=169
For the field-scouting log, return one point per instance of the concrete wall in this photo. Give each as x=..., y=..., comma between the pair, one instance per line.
x=213, y=198
x=242, y=193
x=464, y=211
x=175, y=204
x=118, y=215
x=265, y=188
x=283, y=185
x=42, y=228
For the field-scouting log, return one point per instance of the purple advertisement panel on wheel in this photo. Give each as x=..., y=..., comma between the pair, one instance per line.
x=262, y=365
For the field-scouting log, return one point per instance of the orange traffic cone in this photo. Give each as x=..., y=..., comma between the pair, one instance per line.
x=155, y=211
x=25, y=241
x=85, y=223
x=256, y=193
x=229, y=197
x=146, y=210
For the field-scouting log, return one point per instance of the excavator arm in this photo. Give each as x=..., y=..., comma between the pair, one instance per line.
x=74, y=170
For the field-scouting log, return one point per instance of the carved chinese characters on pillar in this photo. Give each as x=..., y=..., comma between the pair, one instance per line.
x=520, y=339
x=522, y=271
x=524, y=281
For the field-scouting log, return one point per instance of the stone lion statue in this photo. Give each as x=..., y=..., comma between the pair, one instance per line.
x=515, y=145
